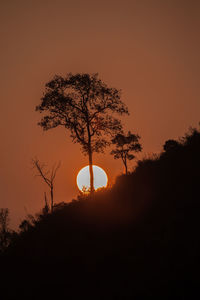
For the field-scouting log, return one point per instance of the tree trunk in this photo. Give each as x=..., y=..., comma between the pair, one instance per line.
x=91, y=172
x=126, y=168
x=46, y=205
x=51, y=198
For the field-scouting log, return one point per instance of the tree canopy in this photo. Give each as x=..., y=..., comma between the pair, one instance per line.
x=85, y=106
x=125, y=145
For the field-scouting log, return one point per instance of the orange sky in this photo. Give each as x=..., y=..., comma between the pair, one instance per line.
x=149, y=49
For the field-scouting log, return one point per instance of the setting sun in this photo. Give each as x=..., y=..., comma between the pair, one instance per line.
x=83, y=178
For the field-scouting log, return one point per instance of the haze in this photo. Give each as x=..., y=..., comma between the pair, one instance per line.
x=149, y=49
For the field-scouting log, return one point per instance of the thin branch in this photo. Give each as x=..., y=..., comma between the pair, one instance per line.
x=40, y=167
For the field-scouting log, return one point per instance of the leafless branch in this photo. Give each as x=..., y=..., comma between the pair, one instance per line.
x=44, y=174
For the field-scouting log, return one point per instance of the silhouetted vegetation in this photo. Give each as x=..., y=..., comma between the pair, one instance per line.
x=138, y=240
x=48, y=177
x=6, y=234
x=84, y=105
x=125, y=145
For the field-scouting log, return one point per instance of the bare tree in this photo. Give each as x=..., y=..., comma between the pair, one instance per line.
x=125, y=145
x=46, y=206
x=84, y=105
x=48, y=176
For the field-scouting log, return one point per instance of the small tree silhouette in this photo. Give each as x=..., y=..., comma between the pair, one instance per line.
x=83, y=104
x=48, y=176
x=124, y=145
x=4, y=231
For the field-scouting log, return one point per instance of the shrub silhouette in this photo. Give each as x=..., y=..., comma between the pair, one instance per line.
x=136, y=240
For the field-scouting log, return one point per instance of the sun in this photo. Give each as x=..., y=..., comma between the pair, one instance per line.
x=83, y=178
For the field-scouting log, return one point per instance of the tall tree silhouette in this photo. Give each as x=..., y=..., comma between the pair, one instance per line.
x=124, y=145
x=84, y=105
x=48, y=176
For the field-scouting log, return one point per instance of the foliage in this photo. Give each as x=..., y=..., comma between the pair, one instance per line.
x=125, y=145
x=171, y=145
x=27, y=223
x=84, y=105
x=81, y=102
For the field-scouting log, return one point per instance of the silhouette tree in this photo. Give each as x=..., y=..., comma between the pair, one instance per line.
x=84, y=105
x=4, y=231
x=124, y=145
x=48, y=176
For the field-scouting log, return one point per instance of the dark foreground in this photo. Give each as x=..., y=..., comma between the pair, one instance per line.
x=139, y=240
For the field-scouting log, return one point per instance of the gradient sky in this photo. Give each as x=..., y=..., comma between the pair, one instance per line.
x=149, y=49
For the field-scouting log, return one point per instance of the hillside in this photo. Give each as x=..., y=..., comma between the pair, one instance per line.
x=138, y=240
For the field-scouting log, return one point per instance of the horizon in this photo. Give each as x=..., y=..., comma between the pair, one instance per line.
x=148, y=50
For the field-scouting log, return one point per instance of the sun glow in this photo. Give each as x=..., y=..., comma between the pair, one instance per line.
x=83, y=178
